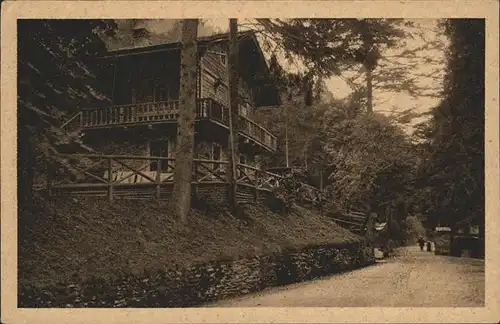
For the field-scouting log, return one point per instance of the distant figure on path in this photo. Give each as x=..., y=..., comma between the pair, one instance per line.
x=429, y=247
x=421, y=242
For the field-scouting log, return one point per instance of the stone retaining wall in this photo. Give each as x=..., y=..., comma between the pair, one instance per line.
x=204, y=283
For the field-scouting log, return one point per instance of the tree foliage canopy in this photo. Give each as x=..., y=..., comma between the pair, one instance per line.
x=454, y=169
x=54, y=80
x=373, y=56
x=54, y=83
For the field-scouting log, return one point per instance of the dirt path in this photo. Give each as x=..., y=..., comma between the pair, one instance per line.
x=411, y=279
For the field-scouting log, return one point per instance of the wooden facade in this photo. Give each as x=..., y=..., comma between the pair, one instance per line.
x=141, y=119
x=144, y=88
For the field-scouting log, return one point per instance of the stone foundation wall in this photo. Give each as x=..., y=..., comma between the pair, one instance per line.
x=215, y=194
x=204, y=283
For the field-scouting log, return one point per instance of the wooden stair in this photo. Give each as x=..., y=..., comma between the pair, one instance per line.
x=353, y=220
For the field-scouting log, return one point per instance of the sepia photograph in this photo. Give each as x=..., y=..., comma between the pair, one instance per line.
x=249, y=163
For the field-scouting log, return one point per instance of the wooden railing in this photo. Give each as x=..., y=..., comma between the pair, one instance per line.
x=111, y=171
x=353, y=220
x=130, y=114
x=132, y=169
x=256, y=177
x=265, y=180
x=151, y=112
x=211, y=109
x=72, y=124
x=252, y=129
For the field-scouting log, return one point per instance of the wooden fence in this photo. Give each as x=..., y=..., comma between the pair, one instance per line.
x=108, y=174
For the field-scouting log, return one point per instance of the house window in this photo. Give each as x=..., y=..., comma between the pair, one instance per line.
x=161, y=93
x=134, y=96
x=146, y=91
x=158, y=148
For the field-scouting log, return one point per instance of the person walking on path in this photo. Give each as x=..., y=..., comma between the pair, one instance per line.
x=429, y=246
x=421, y=242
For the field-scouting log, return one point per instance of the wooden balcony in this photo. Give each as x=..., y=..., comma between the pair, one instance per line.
x=168, y=111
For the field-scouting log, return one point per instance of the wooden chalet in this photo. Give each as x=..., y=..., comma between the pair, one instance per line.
x=145, y=82
x=134, y=136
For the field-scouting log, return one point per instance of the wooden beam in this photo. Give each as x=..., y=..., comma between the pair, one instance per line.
x=136, y=157
x=134, y=170
x=132, y=174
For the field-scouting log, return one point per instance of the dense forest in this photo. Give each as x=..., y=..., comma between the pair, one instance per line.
x=346, y=146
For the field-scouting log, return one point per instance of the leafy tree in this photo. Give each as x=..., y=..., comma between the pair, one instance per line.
x=358, y=47
x=54, y=82
x=372, y=161
x=358, y=158
x=389, y=52
x=368, y=38
x=454, y=170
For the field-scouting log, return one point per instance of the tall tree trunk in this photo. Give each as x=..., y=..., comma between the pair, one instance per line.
x=369, y=61
x=369, y=90
x=233, y=109
x=185, y=136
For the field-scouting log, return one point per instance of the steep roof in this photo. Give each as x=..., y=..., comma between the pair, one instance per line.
x=202, y=41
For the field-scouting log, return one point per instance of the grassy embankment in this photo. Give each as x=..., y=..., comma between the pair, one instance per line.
x=70, y=239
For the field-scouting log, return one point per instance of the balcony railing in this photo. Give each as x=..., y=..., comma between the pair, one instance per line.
x=252, y=129
x=163, y=111
x=130, y=114
x=208, y=108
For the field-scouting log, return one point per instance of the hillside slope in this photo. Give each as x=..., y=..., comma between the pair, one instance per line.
x=70, y=239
